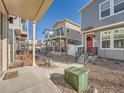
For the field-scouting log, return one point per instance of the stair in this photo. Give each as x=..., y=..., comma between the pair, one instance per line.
x=81, y=58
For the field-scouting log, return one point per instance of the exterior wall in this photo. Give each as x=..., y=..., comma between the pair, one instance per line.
x=59, y=24
x=4, y=42
x=11, y=38
x=16, y=24
x=107, y=53
x=74, y=35
x=69, y=25
x=74, y=32
x=0, y=42
x=90, y=17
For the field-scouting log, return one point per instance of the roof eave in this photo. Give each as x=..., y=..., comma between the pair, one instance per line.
x=86, y=6
x=42, y=10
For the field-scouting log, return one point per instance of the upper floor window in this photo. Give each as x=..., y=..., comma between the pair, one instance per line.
x=118, y=6
x=105, y=9
x=110, y=7
x=24, y=25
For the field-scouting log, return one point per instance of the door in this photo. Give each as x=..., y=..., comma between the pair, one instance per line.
x=90, y=43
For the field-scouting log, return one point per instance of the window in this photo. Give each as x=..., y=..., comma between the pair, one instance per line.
x=119, y=38
x=113, y=39
x=118, y=6
x=105, y=9
x=67, y=30
x=110, y=7
x=105, y=39
x=24, y=25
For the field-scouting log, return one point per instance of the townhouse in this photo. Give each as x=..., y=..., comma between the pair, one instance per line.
x=17, y=36
x=102, y=25
x=27, y=10
x=64, y=34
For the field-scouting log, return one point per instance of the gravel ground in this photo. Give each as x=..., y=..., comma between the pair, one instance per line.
x=101, y=80
x=105, y=80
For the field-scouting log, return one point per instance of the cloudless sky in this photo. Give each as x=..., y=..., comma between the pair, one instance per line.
x=58, y=10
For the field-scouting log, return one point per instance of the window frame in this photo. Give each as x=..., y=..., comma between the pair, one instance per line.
x=111, y=9
x=115, y=5
x=102, y=40
x=114, y=38
x=111, y=40
x=104, y=9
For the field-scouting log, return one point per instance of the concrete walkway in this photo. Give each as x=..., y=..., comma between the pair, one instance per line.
x=61, y=67
x=30, y=80
x=34, y=79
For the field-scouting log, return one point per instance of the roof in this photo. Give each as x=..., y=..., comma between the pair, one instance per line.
x=46, y=30
x=26, y=9
x=87, y=5
x=67, y=20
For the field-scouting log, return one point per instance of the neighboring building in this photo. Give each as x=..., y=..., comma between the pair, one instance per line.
x=102, y=23
x=18, y=36
x=3, y=38
x=27, y=10
x=63, y=34
x=30, y=42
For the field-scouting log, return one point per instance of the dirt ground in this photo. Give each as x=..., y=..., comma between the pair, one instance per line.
x=105, y=76
x=63, y=58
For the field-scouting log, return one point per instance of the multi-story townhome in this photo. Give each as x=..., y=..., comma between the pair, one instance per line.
x=25, y=9
x=102, y=23
x=18, y=36
x=63, y=34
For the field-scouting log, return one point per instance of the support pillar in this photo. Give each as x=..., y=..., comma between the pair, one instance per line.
x=33, y=43
x=4, y=42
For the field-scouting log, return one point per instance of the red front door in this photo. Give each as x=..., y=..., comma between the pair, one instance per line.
x=90, y=43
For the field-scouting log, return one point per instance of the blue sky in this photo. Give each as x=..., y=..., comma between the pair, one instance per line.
x=58, y=10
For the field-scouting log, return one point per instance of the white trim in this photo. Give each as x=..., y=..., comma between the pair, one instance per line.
x=117, y=12
x=111, y=9
x=117, y=3
x=111, y=40
x=104, y=9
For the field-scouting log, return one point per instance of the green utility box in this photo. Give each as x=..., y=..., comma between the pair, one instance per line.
x=77, y=78
x=68, y=73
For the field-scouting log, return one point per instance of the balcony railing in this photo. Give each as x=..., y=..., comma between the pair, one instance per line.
x=93, y=51
x=57, y=34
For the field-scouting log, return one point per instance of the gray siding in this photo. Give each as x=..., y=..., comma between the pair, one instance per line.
x=74, y=35
x=112, y=54
x=90, y=17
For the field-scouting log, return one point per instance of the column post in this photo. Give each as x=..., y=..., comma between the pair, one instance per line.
x=33, y=43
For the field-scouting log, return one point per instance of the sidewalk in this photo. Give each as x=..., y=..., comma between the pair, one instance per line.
x=29, y=80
